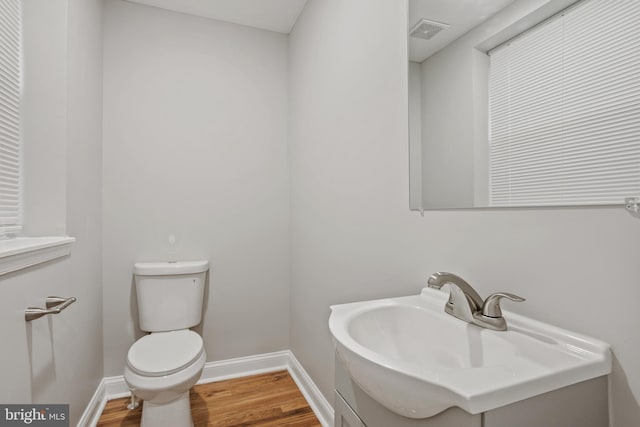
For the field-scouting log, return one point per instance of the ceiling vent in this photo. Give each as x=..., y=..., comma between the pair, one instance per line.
x=426, y=29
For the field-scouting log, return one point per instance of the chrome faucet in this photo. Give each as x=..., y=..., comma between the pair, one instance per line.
x=466, y=304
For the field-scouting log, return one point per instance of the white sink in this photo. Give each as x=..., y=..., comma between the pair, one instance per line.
x=417, y=361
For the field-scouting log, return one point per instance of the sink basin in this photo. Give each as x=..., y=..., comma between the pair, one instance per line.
x=417, y=361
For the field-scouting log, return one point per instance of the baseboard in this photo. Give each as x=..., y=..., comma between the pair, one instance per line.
x=244, y=367
x=320, y=405
x=94, y=407
x=109, y=388
x=115, y=387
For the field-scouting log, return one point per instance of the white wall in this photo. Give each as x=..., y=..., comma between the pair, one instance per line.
x=455, y=118
x=415, y=136
x=447, y=130
x=354, y=238
x=58, y=359
x=195, y=145
x=83, y=357
x=43, y=118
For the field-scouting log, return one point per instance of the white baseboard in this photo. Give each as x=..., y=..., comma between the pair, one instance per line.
x=244, y=367
x=115, y=387
x=321, y=406
x=109, y=388
x=94, y=408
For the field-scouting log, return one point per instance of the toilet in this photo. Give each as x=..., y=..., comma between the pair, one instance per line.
x=163, y=365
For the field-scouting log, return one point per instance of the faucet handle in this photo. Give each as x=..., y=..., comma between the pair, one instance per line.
x=491, y=306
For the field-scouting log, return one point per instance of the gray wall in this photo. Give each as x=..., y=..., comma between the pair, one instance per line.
x=59, y=359
x=353, y=237
x=195, y=145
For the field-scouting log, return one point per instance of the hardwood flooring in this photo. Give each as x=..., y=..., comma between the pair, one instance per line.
x=267, y=400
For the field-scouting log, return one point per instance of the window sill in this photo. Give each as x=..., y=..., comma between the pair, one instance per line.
x=23, y=252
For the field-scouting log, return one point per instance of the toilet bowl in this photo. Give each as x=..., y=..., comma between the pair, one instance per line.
x=161, y=369
x=163, y=365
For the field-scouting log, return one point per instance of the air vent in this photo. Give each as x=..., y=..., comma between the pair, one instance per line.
x=426, y=29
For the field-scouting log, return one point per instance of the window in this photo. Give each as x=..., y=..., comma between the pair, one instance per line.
x=565, y=109
x=10, y=96
x=17, y=253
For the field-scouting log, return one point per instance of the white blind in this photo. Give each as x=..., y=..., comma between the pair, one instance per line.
x=10, y=94
x=565, y=109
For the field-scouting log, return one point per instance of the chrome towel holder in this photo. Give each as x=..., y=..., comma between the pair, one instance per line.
x=54, y=306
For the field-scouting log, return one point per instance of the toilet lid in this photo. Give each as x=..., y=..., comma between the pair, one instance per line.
x=163, y=353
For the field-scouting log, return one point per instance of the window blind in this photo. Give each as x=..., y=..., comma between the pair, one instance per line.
x=564, y=102
x=10, y=95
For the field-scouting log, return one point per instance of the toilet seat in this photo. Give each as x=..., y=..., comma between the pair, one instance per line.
x=164, y=353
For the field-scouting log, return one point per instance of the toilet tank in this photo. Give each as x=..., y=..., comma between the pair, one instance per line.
x=170, y=294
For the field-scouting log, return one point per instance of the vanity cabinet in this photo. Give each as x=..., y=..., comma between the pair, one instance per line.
x=344, y=415
x=584, y=404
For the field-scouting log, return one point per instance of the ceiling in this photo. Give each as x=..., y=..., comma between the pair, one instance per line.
x=461, y=15
x=273, y=15
x=281, y=16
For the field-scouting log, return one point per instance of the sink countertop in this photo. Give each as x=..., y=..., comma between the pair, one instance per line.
x=417, y=361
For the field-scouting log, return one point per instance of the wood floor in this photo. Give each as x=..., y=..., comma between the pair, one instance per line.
x=266, y=400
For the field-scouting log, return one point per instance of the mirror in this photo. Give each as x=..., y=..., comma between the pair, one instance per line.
x=478, y=142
